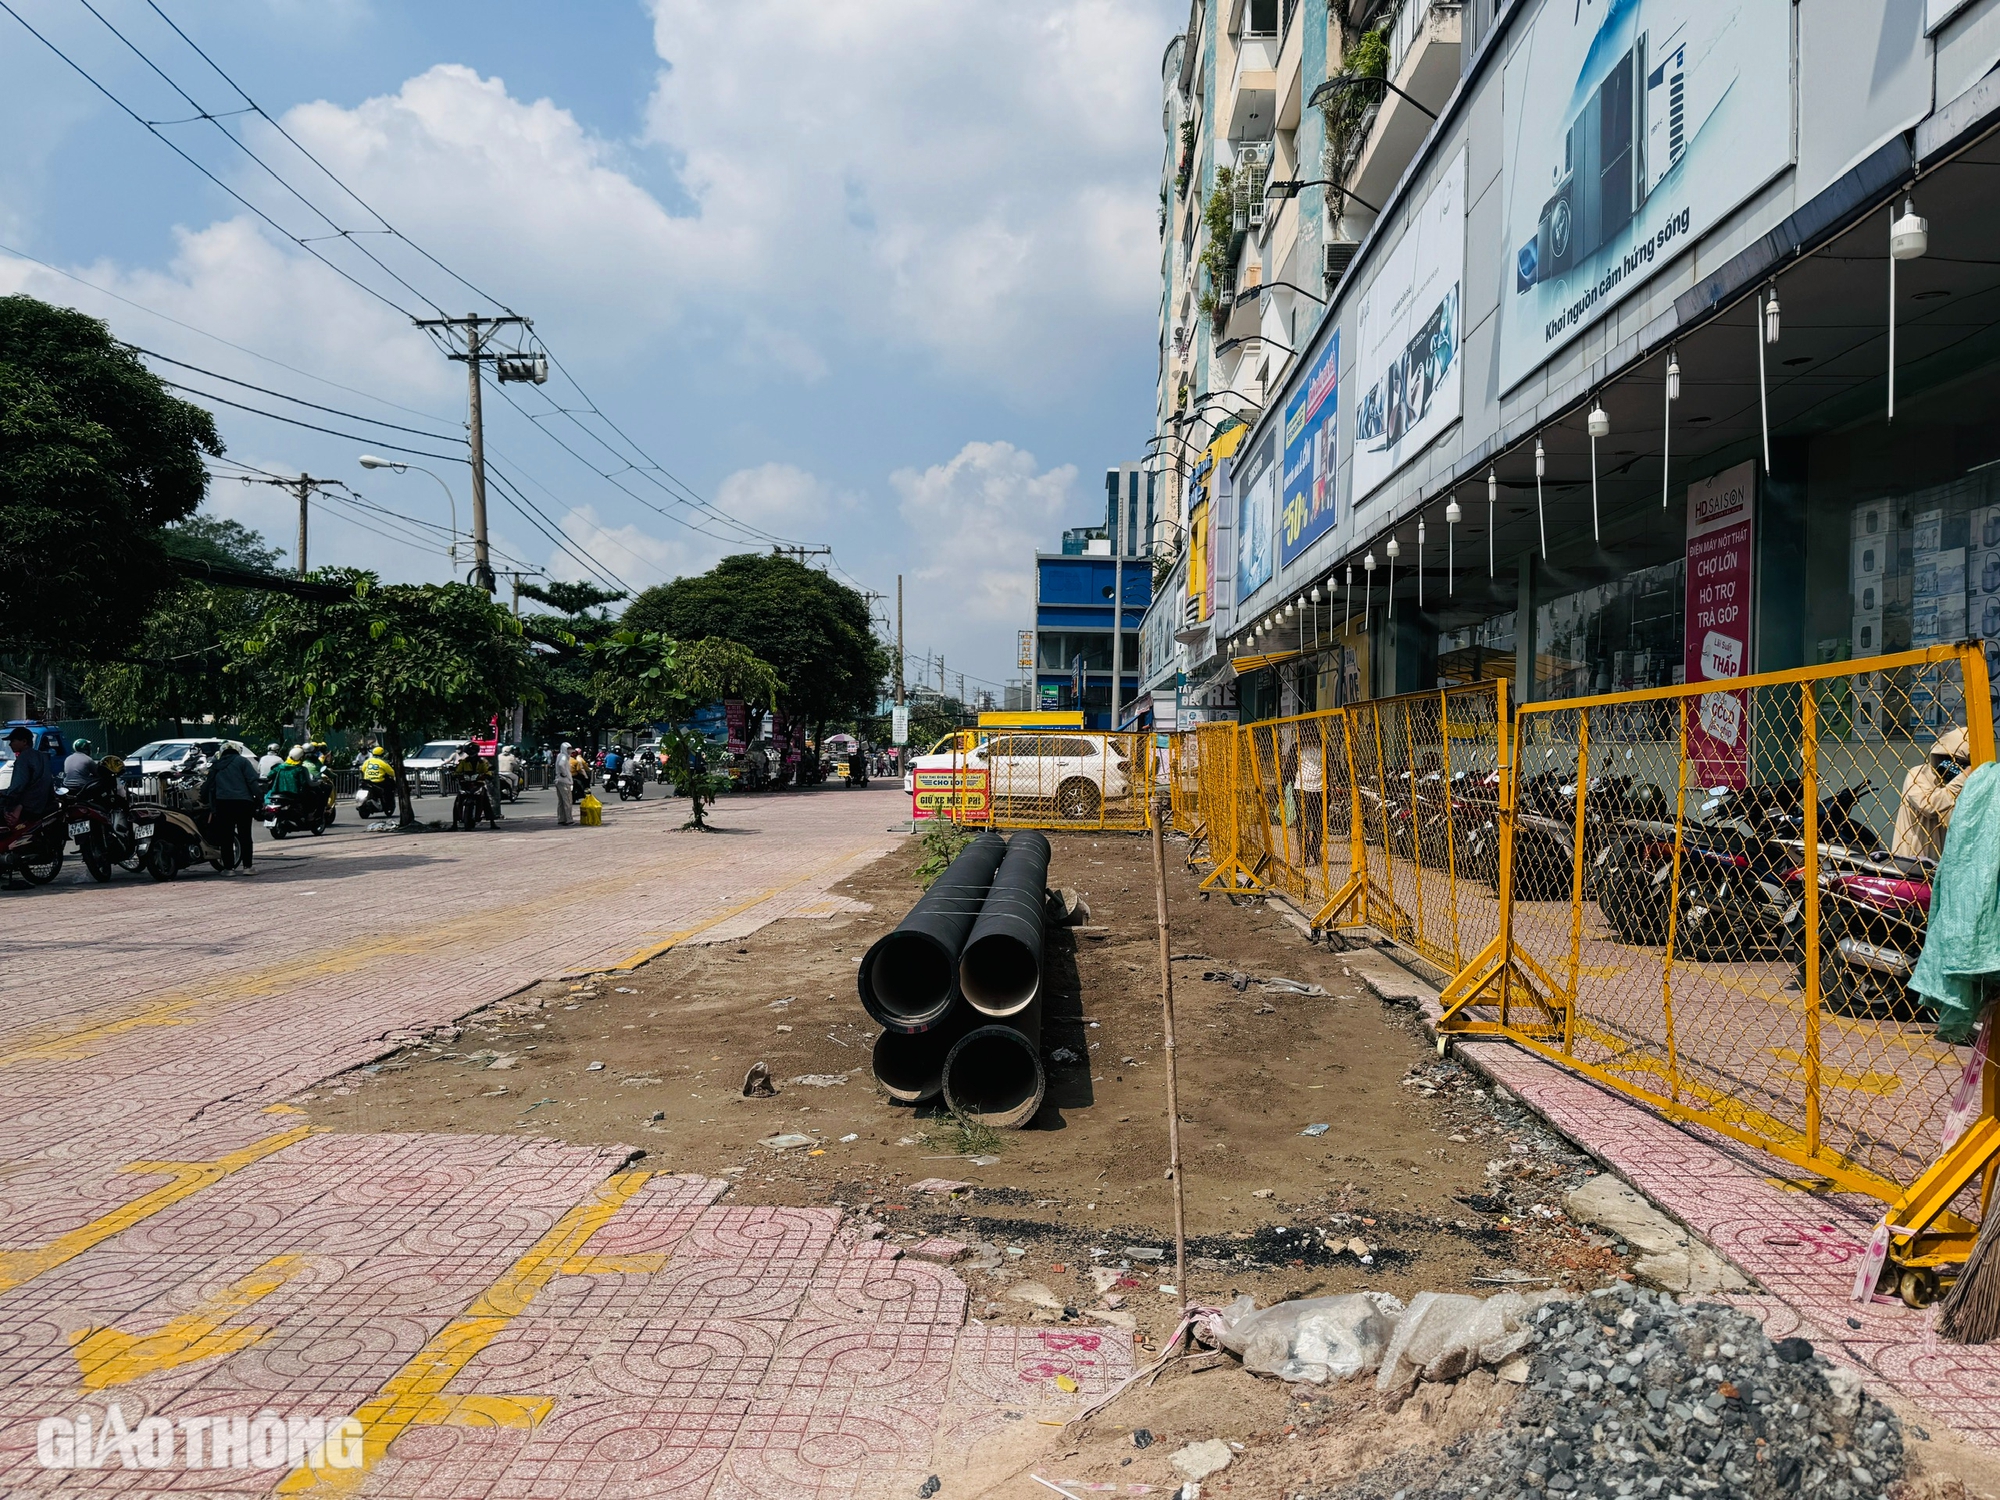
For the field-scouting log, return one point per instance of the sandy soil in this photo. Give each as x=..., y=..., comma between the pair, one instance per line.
x=1423, y=1170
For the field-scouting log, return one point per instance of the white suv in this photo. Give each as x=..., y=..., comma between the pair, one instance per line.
x=1076, y=771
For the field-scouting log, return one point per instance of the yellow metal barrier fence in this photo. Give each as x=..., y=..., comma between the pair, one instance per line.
x=1704, y=898
x=1693, y=910
x=1076, y=779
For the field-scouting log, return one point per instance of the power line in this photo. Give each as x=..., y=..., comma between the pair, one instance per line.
x=155, y=132
x=555, y=534
x=353, y=416
x=446, y=458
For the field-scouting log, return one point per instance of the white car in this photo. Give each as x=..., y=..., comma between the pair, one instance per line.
x=427, y=766
x=164, y=757
x=1075, y=770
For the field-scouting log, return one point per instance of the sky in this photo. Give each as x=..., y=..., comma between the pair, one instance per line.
x=879, y=275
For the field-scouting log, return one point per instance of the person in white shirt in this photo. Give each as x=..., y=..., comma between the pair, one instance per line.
x=1311, y=785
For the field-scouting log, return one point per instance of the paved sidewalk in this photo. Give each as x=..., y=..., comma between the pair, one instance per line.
x=498, y=1316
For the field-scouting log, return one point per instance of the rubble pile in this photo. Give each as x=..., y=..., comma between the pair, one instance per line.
x=1630, y=1393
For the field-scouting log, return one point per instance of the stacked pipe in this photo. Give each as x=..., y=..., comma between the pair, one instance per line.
x=957, y=987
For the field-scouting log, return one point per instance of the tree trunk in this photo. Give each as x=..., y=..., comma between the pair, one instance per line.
x=392, y=740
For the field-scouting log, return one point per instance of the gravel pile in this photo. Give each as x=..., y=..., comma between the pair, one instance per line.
x=1631, y=1394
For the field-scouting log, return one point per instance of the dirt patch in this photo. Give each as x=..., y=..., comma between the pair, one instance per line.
x=1439, y=1181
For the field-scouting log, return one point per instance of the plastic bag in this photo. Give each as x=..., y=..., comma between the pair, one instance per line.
x=590, y=812
x=1443, y=1335
x=1317, y=1339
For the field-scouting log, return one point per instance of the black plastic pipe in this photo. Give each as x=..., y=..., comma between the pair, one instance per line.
x=909, y=978
x=993, y=1074
x=910, y=1064
x=1000, y=971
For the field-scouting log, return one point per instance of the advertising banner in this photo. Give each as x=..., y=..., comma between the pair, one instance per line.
x=1256, y=514
x=1721, y=539
x=956, y=793
x=1312, y=449
x=1406, y=336
x=1628, y=130
x=736, y=714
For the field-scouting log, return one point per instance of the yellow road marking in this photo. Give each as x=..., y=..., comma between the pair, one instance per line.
x=106, y=1357
x=189, y=1177
x=415, y=1395
x=1831, y=1077
x=472, y=929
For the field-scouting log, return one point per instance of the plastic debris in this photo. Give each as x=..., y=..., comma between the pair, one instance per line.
x=1316, y=1339
x=757, y=1082
x=1316, y=1130
x=786, y=1142
x=1443, y=1335
x=821, y=1080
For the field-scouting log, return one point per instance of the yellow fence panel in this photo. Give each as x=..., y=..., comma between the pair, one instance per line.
x=1050, y=778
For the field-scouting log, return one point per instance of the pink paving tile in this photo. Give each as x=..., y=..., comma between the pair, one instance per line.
x=323, y=1358
x=1013, y=1367
x=762, y=1233
x=462, y=1463
x=831, y=1450
x=724, y=1289
x=869, y=1289
x=892, y=1362
x=671, y=1360
x=624, y=1449
x=540, y=1356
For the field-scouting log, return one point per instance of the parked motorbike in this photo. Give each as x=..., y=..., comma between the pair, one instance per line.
x=33, y=850
x=298, y=812
x=1741, y=881
x=99, y=820
x=1872, y=918
x=169, y=841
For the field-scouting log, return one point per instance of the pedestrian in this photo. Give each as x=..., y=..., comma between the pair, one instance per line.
x=565, y=787
x=233, y=786
x=1312, y=790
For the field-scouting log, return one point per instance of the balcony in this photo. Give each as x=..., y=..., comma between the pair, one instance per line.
x=1423, y=62
x=1253, y=91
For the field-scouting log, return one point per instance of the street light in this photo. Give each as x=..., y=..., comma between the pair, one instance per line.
x=398, y=466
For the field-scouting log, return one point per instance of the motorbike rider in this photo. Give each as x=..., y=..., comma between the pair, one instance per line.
x=31, y=790
x=379, y=777
x=270, y=760
x=473, y=770
x=289, y=781
x=1930, y=792
x=79, y=767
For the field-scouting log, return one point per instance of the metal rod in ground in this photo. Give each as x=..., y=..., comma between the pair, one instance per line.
x=1173, y=1081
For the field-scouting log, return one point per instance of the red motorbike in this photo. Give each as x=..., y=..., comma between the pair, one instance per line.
x=1872, y=917
x=32, y=850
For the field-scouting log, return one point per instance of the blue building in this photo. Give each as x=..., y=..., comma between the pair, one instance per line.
x=1101, y=573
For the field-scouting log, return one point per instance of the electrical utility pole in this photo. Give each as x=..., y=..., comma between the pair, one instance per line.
x=303, y=488
x=467, y=339
x=899, y=640
x=800, y=554
x=1117, y=604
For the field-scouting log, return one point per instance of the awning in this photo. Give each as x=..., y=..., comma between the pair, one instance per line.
x=1244, y=665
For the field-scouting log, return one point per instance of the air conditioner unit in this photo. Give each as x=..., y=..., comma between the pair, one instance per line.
x=1337, y=256
x=1256, y=213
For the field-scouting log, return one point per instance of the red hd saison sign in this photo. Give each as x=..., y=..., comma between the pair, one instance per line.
x=1721, y=537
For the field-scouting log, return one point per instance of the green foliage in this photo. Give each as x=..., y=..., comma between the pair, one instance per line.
x=570, y=598
x=942, y=843
x=1218, y=256
x=409, y=657
x=95, y=459
x=955, y=1135
x=177, y=666
x=563, y=676
x=1185, y=168
x=813, y=631
x=648, y=677
x=1348, y=113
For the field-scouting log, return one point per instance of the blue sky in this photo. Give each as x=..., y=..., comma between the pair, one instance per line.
x=874, y=273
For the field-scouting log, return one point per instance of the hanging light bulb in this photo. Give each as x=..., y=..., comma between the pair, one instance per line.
x=1600, y=426
x=1420, y=562
x=1452, y=516
x=1367, y=586
x=1909, y=236
x=1541, y=512
x=1771, y=317
x=1315, y=594
x=1673, y=375
x=1395, y=550
x=1492, y=499
x=1667, y=420
x=1347, y=619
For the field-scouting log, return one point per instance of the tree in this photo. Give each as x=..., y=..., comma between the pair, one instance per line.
x=185, y=659
x=96, y=458
x=405, y=656
x=563, y=674
x=648, y=677
x=815, y=632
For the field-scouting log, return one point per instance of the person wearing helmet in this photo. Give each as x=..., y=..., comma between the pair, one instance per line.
x=1930, y=792
x=270, y=760
x=79, y=766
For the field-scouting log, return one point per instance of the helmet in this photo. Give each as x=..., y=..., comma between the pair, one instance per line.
x=84, y=747
x=298, y=752
x=272, y=748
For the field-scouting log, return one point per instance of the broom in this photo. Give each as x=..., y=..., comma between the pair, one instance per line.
x=1970, y=1312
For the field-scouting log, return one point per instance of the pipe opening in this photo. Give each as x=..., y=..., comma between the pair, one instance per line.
x=909, y=977
x=911, y=1067
x=994, y=1076
x=1000, y=975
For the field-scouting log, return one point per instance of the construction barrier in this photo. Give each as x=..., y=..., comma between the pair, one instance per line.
x=1072, y=779
x=1686, y=893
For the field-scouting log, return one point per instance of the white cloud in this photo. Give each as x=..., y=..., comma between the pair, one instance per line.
x=974, y=524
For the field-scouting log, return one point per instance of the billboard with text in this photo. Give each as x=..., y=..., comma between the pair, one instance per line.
x=1312, y=450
